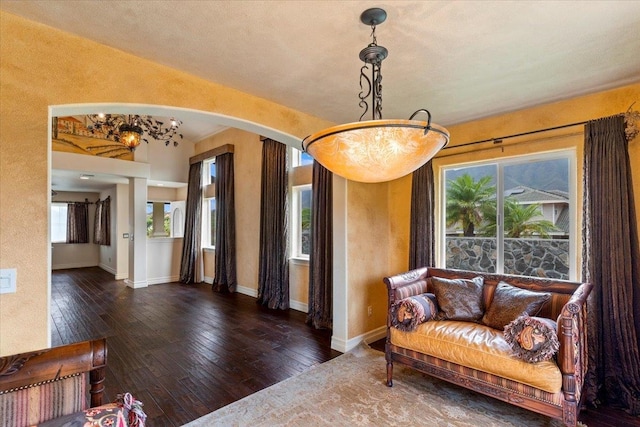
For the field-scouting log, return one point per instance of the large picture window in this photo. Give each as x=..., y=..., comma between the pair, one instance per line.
x=513, y=216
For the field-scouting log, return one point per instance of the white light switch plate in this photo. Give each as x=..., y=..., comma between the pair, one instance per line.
x=7, y=280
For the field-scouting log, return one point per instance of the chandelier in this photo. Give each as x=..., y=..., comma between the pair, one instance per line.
x=129, y=129
x=376, y=150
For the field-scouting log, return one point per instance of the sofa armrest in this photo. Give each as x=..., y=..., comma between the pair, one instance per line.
x=572, y=359
x=406, y=284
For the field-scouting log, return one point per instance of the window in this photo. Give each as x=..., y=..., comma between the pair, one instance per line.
x=58, y=222
x=158, y=219
x=209, y=203
x=301, y=227
x=513, y=216
x=300, y=177
x=304, y=159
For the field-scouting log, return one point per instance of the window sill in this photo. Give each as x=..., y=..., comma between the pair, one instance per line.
x=208, y=250
x=299, y=261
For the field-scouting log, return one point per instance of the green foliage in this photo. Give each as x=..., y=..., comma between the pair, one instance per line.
x=472, y=204
x=518, y=220
x=305, y=218
x=466, y=201
x=149, y=225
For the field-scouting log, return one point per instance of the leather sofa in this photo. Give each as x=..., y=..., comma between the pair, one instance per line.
x=478, y=357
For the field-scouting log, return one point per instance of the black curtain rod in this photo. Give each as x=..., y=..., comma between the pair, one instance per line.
x=499, y=139
x=86, y=201
x=71, y=201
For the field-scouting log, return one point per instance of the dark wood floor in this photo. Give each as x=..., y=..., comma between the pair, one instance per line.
x=186, y=351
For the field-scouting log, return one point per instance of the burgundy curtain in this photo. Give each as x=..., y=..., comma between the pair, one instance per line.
x=191, y=246
x=273, y=272
x=422, y=228
x=320, y=313
x=225, y=268
x=611, y=261
x=78, y=222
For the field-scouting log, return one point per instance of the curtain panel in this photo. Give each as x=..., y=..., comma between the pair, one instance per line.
x=273, y=271
x=225, y=267
x=611, y=261
x=422, y=223
x=102, y=222
x=320, y=312
x=78, y=222
x=191, y=265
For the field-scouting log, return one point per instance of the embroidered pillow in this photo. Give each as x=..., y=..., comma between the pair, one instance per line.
x=408, y=313
x=509, y=302
x=459, y=299
x=532, y=339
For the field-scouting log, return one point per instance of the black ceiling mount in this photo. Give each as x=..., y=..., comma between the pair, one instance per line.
x=373, y=16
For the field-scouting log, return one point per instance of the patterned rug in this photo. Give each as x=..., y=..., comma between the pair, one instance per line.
x=350, y=390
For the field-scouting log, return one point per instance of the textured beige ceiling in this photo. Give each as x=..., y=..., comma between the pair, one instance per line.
x=460, y=59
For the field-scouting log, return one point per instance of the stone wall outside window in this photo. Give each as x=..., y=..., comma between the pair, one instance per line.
x=527, y=257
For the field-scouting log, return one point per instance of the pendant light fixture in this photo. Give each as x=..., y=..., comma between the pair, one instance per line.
x=376, y=150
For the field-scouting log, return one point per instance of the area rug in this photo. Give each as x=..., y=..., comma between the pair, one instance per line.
x=350, y=390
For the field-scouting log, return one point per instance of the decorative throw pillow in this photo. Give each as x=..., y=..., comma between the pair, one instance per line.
x=459, y=299
x=532, y=339
x=509, y=302
x=408, y=313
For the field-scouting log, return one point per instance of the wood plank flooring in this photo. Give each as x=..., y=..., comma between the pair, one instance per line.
x=183, y=350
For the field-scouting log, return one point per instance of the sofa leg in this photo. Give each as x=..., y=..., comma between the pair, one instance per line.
x=569, y=414
x=389, y=374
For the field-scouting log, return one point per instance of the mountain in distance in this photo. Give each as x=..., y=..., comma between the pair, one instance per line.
x=542, y=174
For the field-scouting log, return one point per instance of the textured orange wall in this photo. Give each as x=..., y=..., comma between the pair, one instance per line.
x=40, y=67
x=367, y=258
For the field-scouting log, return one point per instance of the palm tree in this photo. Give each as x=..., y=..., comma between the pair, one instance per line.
x=467, y=199
x=518, y=220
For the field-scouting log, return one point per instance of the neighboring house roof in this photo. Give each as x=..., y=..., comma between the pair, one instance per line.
x=523, y=194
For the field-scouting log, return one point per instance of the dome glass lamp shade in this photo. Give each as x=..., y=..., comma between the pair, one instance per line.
x=376, y=150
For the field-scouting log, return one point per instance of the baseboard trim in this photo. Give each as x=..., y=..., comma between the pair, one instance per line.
x=73, y=265
x=299, y=306
x=295, y=305
x=162, y=280
x=107, y=268
x=136, y=285
x=368, y=337
x=247, y=291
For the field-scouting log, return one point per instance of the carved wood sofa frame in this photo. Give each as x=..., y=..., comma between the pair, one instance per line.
x=32, y=368
x=571, y=317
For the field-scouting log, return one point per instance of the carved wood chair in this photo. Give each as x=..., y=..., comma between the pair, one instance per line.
x=42, y=385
